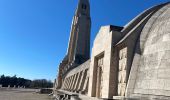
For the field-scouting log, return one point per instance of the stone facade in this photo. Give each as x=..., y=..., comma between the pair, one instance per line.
x=77, y=79
x=78, y=50
x=152, y=76
x=102, y=47
x=126, y=62
x=79, y=43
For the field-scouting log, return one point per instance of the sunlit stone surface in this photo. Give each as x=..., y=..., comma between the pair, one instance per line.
x=130, y=62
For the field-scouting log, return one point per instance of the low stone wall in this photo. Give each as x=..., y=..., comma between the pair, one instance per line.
x=79, y=68
x=77, y=79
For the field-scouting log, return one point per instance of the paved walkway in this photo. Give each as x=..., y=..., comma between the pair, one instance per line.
x=22, y=94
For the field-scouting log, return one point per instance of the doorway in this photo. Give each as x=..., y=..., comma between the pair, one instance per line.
x=99, y=82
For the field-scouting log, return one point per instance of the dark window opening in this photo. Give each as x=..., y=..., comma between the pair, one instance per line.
x=84, y=6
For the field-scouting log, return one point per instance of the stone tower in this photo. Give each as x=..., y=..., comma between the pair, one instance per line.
x=79, y=43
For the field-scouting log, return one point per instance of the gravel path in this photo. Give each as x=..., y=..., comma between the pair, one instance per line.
x=22, y=94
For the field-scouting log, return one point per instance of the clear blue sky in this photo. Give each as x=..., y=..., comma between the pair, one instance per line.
x=34, y=34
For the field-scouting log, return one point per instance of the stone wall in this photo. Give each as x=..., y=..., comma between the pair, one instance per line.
x=128, y=62
x=77, y=79
x=131, y=34
x=150, y=68
x=102, y=47
x=153, y=73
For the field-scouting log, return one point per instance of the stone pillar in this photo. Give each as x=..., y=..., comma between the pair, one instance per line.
x=85, y=88
x=71, y=80
x=84, y=74
x=66, y=83
x=8, y=86
x=78, y=80
x=103, y=45
x=75, y=81
x=72, y=83
x=92, y=78
x=81, y=78
x=75, y=76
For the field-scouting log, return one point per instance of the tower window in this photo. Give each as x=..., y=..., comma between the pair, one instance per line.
x=84, y=6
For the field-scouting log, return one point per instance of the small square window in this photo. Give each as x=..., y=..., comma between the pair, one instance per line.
x=84, y=6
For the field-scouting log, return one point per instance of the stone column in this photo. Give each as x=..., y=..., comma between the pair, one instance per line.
x=78, y=81
x=85, y=88
x=72, y=82
x=68, y=83
x=8, y=86
x=63, y=86
x=75, y=82
x=82, y=80
x=103, y=45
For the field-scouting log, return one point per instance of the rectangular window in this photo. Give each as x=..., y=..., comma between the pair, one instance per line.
x=84, y=6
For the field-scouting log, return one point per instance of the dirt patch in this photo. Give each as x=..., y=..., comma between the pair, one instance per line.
x=22, y=94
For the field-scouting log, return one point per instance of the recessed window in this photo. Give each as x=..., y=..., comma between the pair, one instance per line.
x=84, y=6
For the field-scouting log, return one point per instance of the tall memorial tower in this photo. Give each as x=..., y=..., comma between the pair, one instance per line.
x=79, y=43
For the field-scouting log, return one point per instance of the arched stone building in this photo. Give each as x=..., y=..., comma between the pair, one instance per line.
x=126, y=62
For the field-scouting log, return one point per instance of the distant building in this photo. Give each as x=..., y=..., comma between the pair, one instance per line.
x=126, y=62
